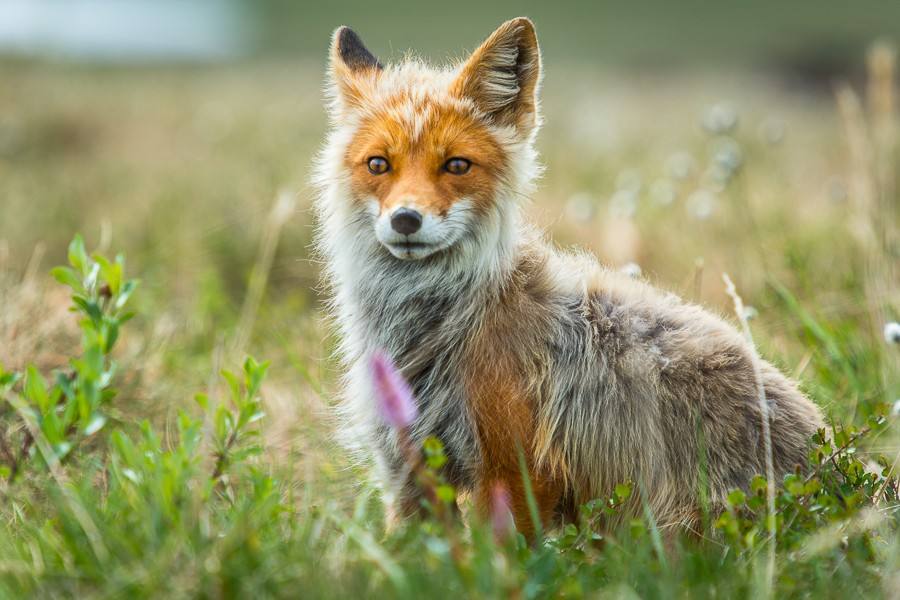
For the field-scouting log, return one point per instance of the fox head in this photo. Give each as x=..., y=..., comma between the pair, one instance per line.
x=432, y=159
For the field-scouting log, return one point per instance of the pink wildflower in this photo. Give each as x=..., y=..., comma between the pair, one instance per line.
x=501, y=514
x=395, y=400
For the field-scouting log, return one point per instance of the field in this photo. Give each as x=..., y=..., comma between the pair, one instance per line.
x=181, y=484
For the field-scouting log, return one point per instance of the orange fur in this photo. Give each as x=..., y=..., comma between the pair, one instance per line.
x=505, y=424
x=504, y=409
x=417, y=162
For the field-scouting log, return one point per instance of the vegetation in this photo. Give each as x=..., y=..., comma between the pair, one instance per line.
x=135, y=463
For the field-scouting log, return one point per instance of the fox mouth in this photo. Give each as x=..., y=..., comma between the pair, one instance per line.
x=411, y=245
x=410, y=250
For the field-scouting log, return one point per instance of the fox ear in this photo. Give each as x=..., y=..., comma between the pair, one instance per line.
x=503, y=74
x=352, y=67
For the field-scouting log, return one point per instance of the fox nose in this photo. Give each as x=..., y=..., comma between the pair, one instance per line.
x=406, y=221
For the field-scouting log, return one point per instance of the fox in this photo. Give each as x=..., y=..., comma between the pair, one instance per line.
x=539, y=369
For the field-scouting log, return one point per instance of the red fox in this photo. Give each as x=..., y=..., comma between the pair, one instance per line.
x=512, y=346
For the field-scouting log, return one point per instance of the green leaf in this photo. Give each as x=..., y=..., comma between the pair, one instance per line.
x=131, y=475
x=736, y=498
x=435, y=457
x=234, y=384
x=794, y=485
x=67, y=276
x=77, y=256
x=756, y=502
x=8, y=379
x=95, y=424
x=112, y=334
x=90, y=280
x=222, y=420
x=111, y=273
x=62, y=449
x=238, y=456
x=36, y=389
x=89, y=308
x=623, y=491
x=52, y=427
x=750, y=538
x=758, y=484
x=254, y=375
x=841, y=436
x=202, y=400
x=446, y=493
x=127, y=290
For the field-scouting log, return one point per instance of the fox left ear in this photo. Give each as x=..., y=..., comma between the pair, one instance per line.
x=352, y=67
x=503, y=74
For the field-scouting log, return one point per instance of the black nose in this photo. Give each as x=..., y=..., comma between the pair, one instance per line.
x=406, y=221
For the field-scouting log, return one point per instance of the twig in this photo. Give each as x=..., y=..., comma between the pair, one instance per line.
x=222, y=457
x=838, y=452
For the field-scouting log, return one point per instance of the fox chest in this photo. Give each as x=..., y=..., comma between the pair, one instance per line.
x=471, y=390
x=480, y=410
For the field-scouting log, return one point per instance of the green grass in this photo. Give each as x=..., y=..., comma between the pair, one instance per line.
x=166, y=479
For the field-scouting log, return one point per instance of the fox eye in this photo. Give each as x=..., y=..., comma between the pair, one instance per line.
x=458, y=166
x=378, y=165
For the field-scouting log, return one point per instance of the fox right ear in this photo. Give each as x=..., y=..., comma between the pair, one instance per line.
x=503, y=74
x=352, y=67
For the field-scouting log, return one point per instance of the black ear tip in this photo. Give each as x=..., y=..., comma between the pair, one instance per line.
x=347, y=38
x=352, y=51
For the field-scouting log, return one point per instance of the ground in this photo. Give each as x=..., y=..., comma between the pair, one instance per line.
x=199, y=176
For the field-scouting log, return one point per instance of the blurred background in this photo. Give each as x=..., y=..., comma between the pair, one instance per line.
x=682, y=139
x=811, y=39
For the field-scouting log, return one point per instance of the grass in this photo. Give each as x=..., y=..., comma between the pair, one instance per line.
x=132, y=468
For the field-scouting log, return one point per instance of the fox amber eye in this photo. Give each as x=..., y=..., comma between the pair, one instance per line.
x=457, y=166
x=378, y=165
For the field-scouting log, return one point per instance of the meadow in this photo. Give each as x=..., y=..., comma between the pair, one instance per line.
x=130, y=466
